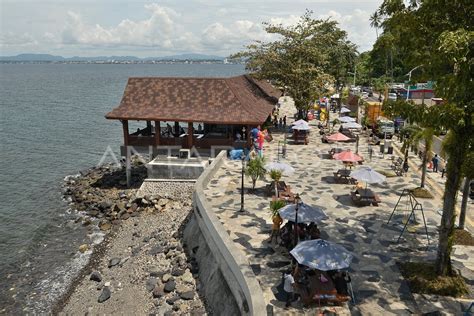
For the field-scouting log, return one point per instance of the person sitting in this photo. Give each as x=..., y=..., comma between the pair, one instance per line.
x=313, y=231
x=341, y=279
x=286, y=235
x=238, y=136
x=169, y=130
x=181, y=131
x=137, y=133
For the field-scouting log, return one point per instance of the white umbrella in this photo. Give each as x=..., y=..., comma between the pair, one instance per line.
x=346, y=119
x=367, y=175
x=351, y=125
x=306, y=213
x=345, y=110
x=322, y=255
x=285, y=169
x=301, y=125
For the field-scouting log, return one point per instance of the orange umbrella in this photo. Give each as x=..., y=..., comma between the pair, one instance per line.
x=337, y=137
x=347, y=156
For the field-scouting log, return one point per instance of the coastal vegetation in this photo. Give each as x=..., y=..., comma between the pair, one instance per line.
x=434, y=34
x=306, y=60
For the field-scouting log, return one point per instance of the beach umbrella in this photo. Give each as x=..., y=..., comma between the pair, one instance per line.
x=367, y=175
x=351, y=125
x=337, y=137
x=347, y=156
x=285, y=169
x=346, y=119
x=301, y=125
x=345, y=110
x=306, y=213
x=322, y=255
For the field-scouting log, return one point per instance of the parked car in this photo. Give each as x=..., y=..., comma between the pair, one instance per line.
x=392, y=96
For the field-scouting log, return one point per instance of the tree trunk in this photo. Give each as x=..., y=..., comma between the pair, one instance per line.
x=456, y=156
x=465, y=195
x=254, y=182
x=423, y=168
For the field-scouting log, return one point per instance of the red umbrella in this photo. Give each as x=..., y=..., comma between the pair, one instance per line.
x=348, y=156
x=337, y=137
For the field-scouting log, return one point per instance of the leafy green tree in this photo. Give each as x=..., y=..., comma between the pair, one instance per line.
x=438, y=34
x=256, y=170
x=305, y=60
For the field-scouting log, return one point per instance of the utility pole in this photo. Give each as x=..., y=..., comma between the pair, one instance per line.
x=409, y=79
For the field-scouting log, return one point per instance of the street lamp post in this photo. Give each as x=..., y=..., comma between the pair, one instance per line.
x=242, y=186
x=409, y=79
x=297, y=201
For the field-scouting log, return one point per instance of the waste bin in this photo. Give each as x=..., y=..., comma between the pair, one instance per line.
x=382, y=148
x=390, y=150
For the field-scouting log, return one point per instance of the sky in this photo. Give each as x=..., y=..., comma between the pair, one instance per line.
x=162, y=28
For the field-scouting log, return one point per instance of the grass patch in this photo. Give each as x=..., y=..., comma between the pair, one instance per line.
x=422, y=279
x=421, y=193
x=463, y=237
x=387, y=173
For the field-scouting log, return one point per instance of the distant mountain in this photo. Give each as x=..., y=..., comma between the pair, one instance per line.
x=32, y=57
x=52, y=58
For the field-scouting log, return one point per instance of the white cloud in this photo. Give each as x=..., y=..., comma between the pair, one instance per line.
x=12, y=39
x=206, y=26
x=159, y=30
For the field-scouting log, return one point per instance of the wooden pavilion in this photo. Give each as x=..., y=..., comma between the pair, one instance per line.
x=216, y=111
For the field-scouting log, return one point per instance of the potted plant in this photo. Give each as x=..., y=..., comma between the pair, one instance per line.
x=256, y=170
x=275, y=206
x=276, y=176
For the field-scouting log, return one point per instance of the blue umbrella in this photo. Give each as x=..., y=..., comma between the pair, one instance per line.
x=306, y=213
x=322, y=255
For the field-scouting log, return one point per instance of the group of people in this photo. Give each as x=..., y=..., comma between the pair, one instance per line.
x=288, y=235
x=258, y=138
x=277, y=121
x=296, y=282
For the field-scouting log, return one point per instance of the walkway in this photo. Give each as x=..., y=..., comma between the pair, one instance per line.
x=377, y=282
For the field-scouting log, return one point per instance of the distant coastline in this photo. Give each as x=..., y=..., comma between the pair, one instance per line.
x=52, y=59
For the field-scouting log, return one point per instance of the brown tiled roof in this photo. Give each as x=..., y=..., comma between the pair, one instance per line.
x=235, y=100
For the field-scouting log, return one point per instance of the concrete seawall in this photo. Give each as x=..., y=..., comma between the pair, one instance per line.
x=229, y=284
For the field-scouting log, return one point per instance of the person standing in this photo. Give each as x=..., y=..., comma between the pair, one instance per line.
x=277, y=221
x=288, y=287
x=284, y=122
x=435, y=162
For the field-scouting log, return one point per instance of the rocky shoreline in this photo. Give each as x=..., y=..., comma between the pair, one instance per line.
x=142, y=266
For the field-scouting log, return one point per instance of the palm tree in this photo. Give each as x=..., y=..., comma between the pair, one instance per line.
x=376, y=22
x=276, y=176
x=256, y=170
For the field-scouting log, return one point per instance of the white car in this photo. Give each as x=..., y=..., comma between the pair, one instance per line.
x=392, y=96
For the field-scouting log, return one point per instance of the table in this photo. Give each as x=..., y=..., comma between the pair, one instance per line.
x=317, y=291
x=365, y=197
x=343, y=175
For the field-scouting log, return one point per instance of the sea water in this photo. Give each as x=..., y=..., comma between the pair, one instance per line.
x=52, y=125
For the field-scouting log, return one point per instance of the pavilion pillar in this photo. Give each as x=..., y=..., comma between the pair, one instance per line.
x=157, y=138
x=190, y=135
x=128, y=166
